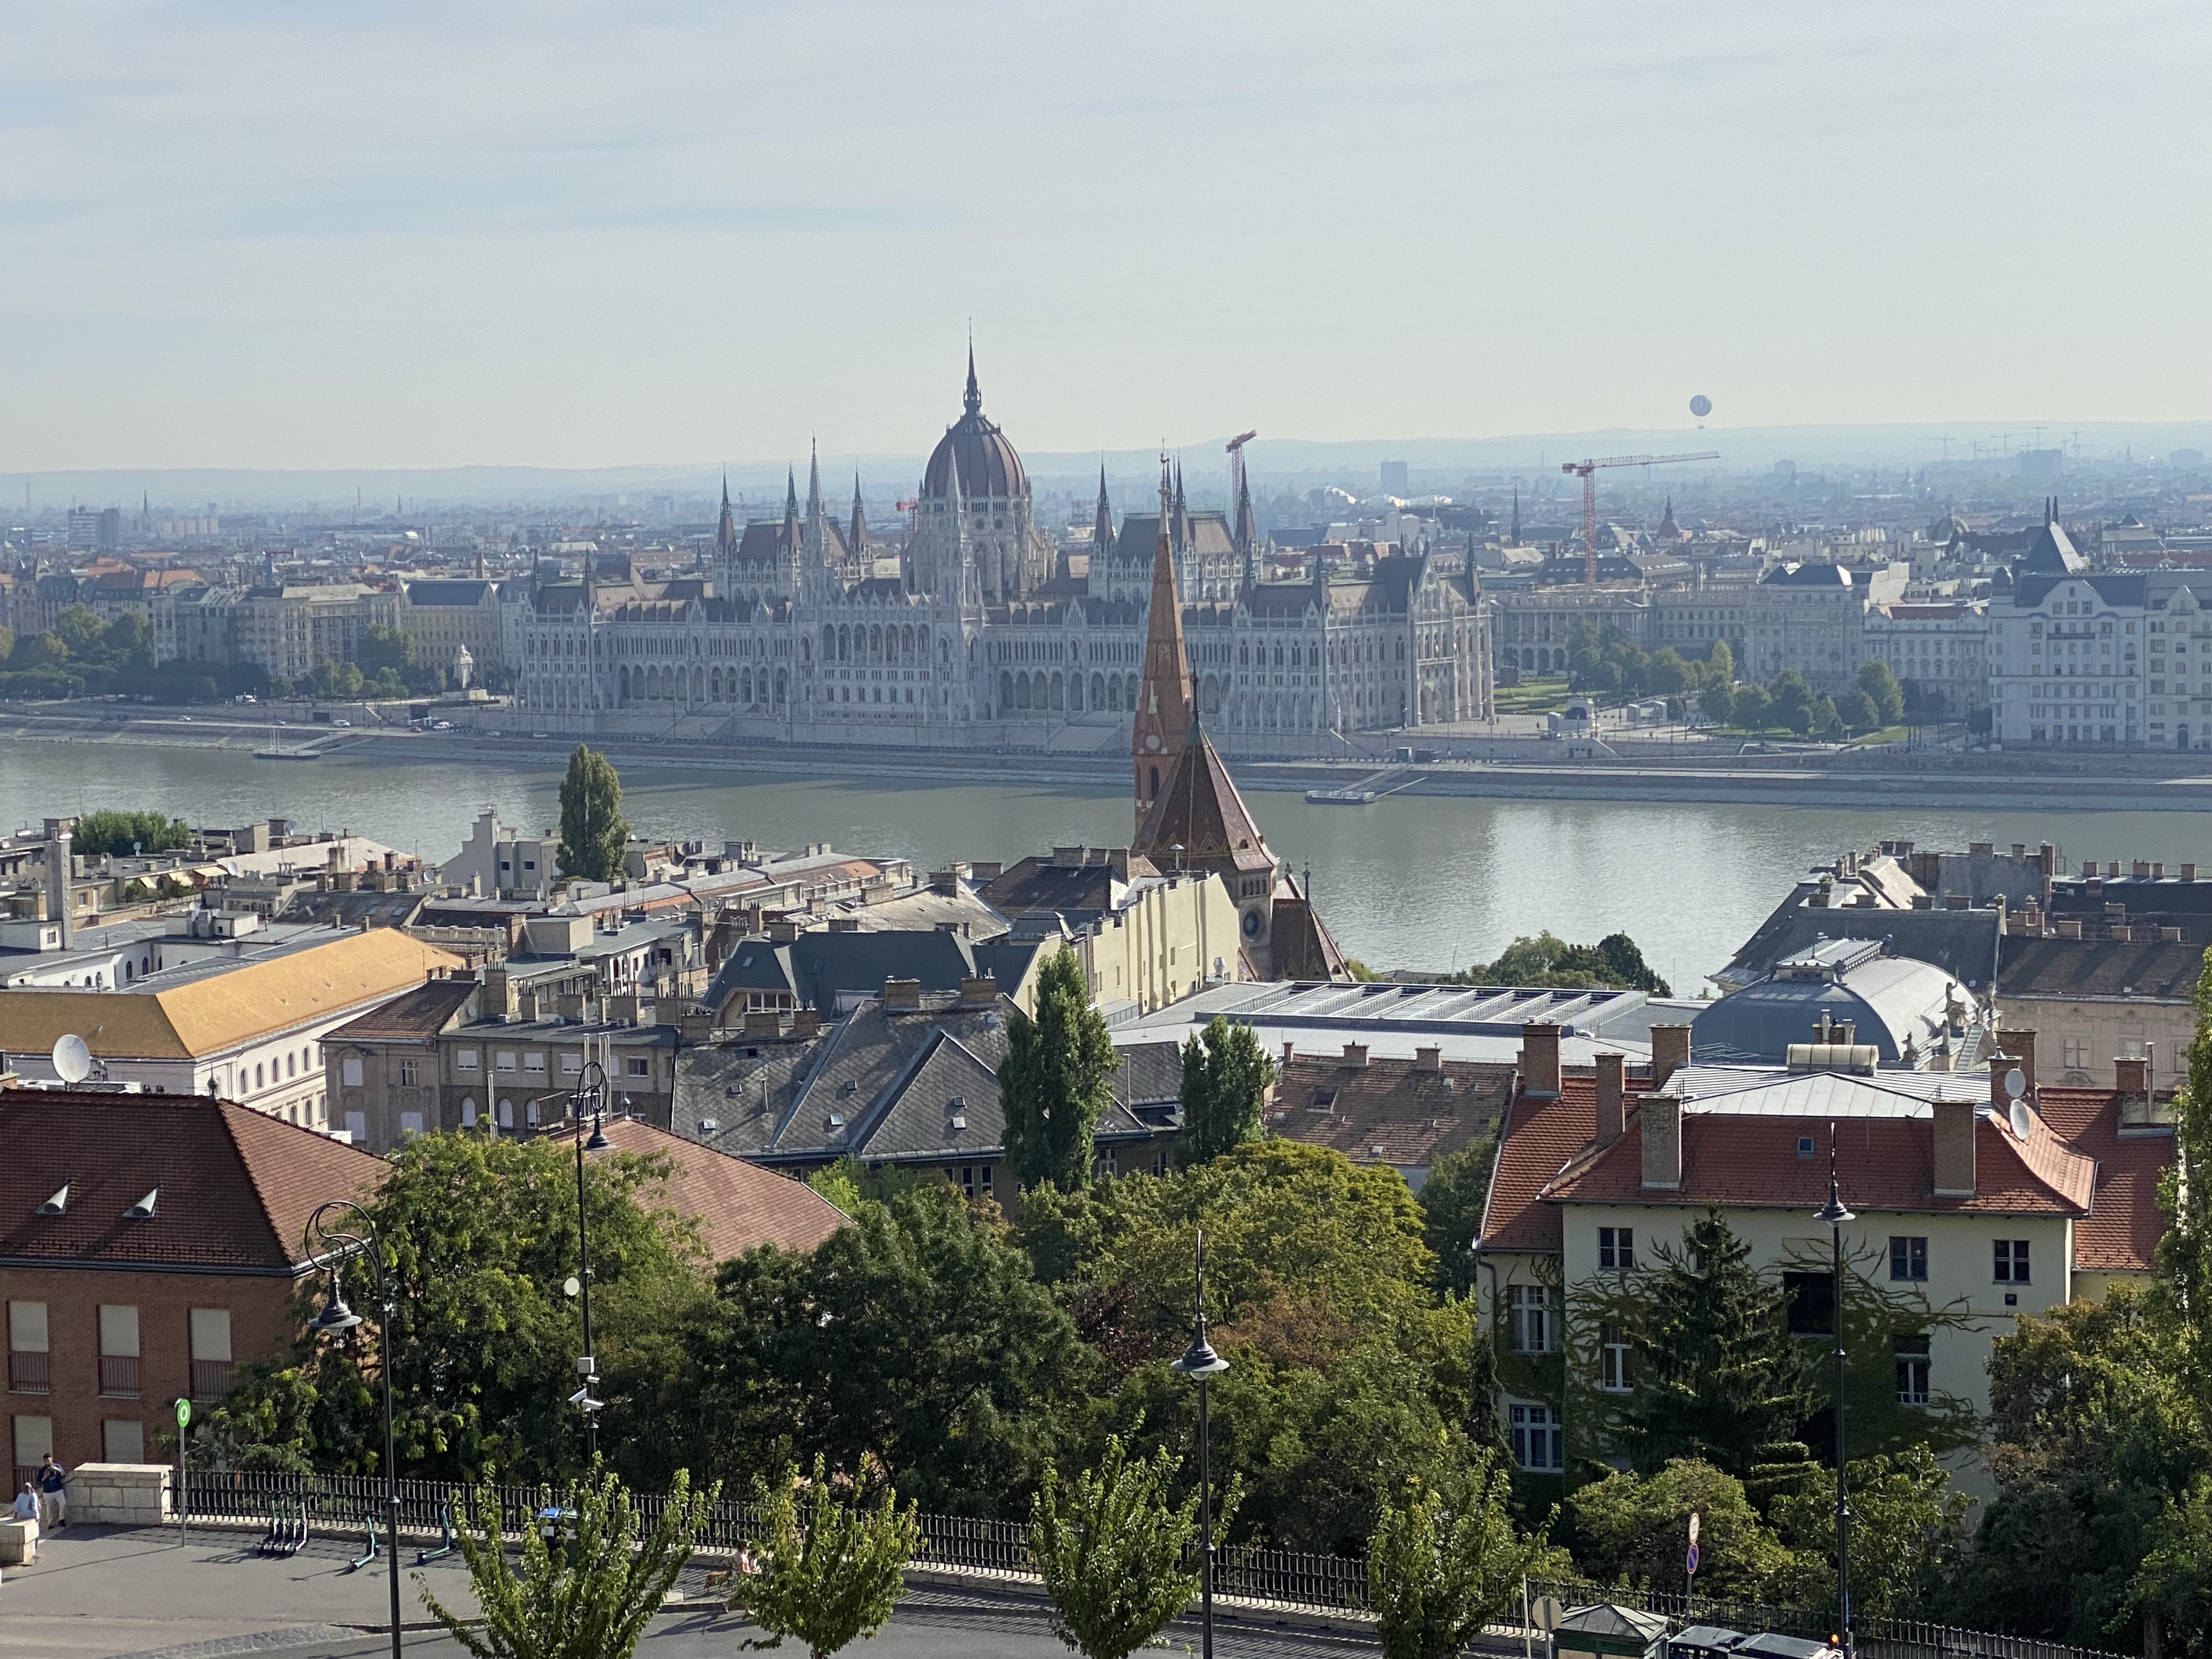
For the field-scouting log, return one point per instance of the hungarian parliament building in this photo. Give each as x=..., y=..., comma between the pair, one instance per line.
x=989, y=635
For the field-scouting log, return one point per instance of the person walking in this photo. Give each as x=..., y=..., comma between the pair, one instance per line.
x=53, y=1494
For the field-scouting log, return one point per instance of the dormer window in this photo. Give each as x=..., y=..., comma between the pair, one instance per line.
x=59, y=1204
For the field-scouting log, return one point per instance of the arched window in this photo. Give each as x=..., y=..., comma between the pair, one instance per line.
x=468, y=1112
x=505, y=1118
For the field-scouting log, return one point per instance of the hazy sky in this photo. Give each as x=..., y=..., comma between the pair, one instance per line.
x=287, y=234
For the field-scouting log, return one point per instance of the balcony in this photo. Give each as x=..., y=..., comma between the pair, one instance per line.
x=118, y=1375
x=210, y=1379
x=30, y=1373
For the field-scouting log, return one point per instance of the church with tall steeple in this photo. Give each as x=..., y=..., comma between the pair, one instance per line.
x=983, y=633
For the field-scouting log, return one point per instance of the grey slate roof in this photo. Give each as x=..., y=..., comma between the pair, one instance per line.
x=1962, y=943
x=820, y=965
x=1894, y=1001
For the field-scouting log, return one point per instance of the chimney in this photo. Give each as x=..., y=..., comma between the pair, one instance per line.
x=696, y=1025
x=1539, y=1061
x=1429, y=1060
x=806, y=1023
x=782, y=931
x=978, y=990
x=1661, y=1117
x=2019, y=1048
x=902, y=996
x=1670, y=1052
x=1608, y=1098
x=2189, y=873
x=2139, y=868
x=1955, y=1140
x=1288, y=1053
x=848, y=924
x=763, y=1023
x=2131, y=1075
x=57, y=880
x=1355, y=1053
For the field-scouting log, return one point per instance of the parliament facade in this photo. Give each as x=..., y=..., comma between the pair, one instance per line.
x=987, y=637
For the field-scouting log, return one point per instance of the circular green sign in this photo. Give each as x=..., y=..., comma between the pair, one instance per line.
x=184, y=1412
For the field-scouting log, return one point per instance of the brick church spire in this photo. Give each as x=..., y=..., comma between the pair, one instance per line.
x=1164, y=695
x=725, y=529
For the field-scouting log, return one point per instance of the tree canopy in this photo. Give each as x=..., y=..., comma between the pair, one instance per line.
x=595, y=835
x=121, y=832
x=1057, y=1080
x=1226, y=1079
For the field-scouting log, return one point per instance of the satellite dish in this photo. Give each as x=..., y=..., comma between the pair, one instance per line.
x=2016, y=1083
x=2022, y=1123
x=72, y=1058
x=1701, y=405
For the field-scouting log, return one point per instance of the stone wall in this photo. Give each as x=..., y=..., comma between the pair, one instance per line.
x=121, y=1494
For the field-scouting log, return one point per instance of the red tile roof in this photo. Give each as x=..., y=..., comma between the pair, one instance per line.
x=234, y=1187
x=2121, y=1232
x=1541, y=1136
x=1885, y=1164
x=739, y=1205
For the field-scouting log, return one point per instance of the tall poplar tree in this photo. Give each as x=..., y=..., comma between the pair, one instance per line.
x=1226, y=1079
x=593, y=834
x=1058, y=1078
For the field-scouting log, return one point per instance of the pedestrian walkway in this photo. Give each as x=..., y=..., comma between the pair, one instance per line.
x=112, y=1593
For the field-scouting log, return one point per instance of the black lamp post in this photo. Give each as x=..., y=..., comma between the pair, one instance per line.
x=1834, y=1215
x=589, y=1086
x=319, y=1237
x=1201, y=1363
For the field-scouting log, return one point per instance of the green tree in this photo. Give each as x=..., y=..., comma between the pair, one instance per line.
x=1446, y=1560
x=80, y=629
x=1451, y=1200
x=333, y=681
x=594, y=833
x=1908, y=1535
x=45, y=650
x=2095, y=1435
x=1226, y=1079
x=1821, y=719
x=1720, y=664
x=478, y=1236
x=1634, y=1528
x=590, y=1595
x=1883, y=691
x=1057, y=1080
x=1718, y=1375
x=1716, y=703
x=128, y=641
x=916, y=1334
x=382, y=648
x=2173, y=1587
x=117, y=833
x=1549, y=960
x=1110, y=1551
x=1752, y=707
x=2185, y=1250
x=1857, y=710
x=7, y=643
x=832, y=1558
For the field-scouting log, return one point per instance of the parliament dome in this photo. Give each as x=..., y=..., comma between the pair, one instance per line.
x=987, y=461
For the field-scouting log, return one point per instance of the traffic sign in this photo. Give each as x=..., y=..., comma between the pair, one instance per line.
x=184, y=1412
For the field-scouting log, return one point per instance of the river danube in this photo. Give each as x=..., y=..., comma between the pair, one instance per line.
x=1417, y=881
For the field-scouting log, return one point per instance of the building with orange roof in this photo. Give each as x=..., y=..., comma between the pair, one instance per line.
x=1978, y=1194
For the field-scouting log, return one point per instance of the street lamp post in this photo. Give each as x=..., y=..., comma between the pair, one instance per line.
x=1834, y=1214
x=320, y=1236
x=589, y=1084
x=1200, y=1363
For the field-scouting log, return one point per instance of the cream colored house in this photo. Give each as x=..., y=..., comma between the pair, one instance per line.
x=249, y=1031
x=1144, y=935
x=1985, y=1212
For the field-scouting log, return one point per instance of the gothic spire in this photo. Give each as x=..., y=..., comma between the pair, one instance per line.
x=726, y=529
x=973, y=399
x=1517, y=515
x=790, y=493
x=858, y=541
x=813, y=479
x=1102, y=528
x=1163, y=710
x=1181, y=512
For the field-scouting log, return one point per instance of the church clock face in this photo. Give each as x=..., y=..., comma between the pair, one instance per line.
x=1152, y=743
x=1251, y=924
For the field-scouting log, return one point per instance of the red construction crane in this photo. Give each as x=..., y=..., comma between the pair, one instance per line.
x=1588, y=470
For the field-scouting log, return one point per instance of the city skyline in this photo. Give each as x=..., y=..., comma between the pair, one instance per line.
x=276, y=242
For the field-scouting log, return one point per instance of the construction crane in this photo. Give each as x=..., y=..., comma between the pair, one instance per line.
x=1588, y=472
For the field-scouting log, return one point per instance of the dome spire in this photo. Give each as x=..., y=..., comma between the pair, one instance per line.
x=1102, y=530
x=973, y=399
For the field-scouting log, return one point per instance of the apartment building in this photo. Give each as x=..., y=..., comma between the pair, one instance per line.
x=149, y=1245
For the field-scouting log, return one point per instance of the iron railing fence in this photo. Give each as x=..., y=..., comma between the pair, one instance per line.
x=1874, y=1638
x=349, y=1503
